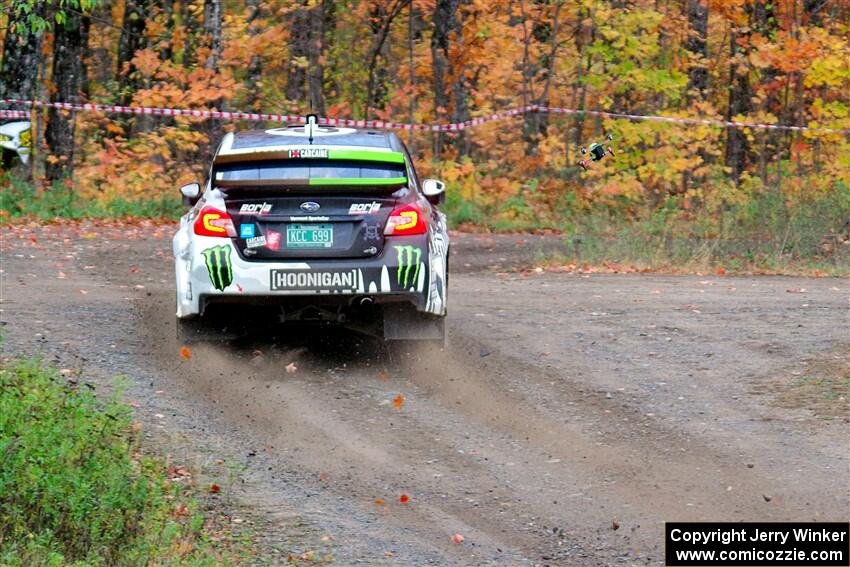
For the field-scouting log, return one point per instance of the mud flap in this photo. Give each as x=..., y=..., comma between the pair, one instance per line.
x=404, y=323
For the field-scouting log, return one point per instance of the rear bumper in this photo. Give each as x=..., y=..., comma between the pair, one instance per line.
x=210, y=270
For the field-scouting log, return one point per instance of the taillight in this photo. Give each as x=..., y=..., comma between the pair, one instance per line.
x=404, y=221
x=213, y=222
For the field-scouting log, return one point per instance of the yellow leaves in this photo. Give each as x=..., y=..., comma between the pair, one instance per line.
x=300, y=62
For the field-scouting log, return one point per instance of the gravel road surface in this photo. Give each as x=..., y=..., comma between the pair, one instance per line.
x=569, y=417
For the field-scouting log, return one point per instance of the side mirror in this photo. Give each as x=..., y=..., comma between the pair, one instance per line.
x=190, y=192
x=435, y=191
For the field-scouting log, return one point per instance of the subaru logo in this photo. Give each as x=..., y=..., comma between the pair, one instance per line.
x=310, y=207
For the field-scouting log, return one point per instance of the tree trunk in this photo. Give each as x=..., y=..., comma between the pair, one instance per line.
x=255, y=67
x=697, y=45
x=21, y=65
x=813, y=10
x=21, y=61
x=299, y=39
x=740, y=102
x=450, y=96
x=535, y=124
x=68, y=49
x=212, y=32
x=762, y=20
x=306, y=77
x=212, y=29
x=321, y=26
x=132, y=40
x=376, y=90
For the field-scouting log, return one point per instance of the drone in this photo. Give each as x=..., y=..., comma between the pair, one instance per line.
x=597, y=152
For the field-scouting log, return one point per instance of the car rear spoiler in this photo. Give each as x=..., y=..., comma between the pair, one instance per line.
x=316, y=185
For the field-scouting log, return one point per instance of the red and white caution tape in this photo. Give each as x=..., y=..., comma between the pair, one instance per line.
x=14, y=114
x=381, y=124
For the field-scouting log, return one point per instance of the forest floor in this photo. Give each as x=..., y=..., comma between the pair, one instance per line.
x=570, y=416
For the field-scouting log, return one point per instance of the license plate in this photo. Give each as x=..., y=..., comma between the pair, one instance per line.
x=309, y=236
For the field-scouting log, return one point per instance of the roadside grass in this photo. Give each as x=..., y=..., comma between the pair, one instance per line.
x=76, y=487
x=765, y=235
x=823, y=387
x=19, y=201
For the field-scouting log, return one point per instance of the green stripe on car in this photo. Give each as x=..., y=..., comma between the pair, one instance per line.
x=358, y=181
x=365, y=155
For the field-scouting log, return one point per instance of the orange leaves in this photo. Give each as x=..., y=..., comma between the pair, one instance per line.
x=457, y=539
x=214, y=488
x=146, y=61
x=379, y=502
x=185, y=353
x=404, y=498
x=398, y=401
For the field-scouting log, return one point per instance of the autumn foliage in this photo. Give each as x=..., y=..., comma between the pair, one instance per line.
x=777, y=62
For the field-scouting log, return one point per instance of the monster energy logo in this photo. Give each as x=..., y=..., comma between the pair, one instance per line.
x=405, y=263
x=219, y=266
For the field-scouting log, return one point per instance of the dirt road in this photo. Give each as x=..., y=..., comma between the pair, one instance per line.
x=569, y=418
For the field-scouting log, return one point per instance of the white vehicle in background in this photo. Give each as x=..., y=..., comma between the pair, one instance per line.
x=15, y=141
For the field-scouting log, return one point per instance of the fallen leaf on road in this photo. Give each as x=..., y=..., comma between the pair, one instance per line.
x=398, y=401
x=379, y=501
x=795, y=290
x=214, y=488
x=84, y=292
x=61, y=275
x=384, y=375
x=457, y=539
x=615, y=525
x=404, y=498
x=176, y=472
x=185, y=353
x=133, y=403
x=291, y=368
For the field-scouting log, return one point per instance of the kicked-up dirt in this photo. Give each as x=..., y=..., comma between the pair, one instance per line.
x=569, y=417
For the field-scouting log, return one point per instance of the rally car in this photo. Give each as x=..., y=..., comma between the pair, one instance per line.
x=312, y=224
x=15, y=142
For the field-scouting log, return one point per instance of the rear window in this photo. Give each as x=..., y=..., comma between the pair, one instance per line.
x=274, y=170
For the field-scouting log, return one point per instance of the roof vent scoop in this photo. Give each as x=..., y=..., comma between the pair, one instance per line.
x=310, y=126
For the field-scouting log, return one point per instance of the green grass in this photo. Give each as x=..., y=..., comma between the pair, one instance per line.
x=76, y=490
x=19, y=200
x=764, y=234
